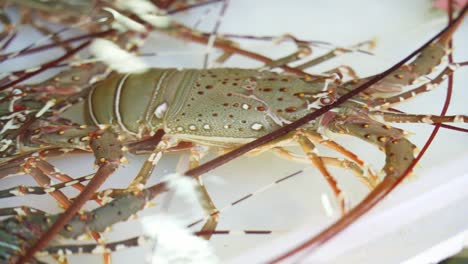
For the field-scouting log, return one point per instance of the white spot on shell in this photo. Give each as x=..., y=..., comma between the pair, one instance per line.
x=458, y=119
x=206, y=127
x=5, y=143
x=245, y=106
x=46, y=107
x=120, y=247
x=180, y=129
x=160, y=110
x=429, y=87
x=123, y=23
x=159, y=21
x=19, y=211
x=16, y=192
x=71, y=183
x=99, y=249
x=192, y=127
x=16, y=91
x=49, y=189
x=454, y=66
x=137, y=6
x=141, y=241
x=256, y=126
x=427, y=120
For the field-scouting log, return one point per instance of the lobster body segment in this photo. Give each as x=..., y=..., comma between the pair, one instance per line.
x=216, y=105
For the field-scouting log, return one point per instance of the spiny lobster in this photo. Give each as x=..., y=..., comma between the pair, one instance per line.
x=175, y=103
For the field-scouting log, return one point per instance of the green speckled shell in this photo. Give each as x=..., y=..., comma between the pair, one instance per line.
x=237, y=103
x=209, y=105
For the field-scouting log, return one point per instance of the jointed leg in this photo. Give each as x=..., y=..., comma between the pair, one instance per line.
x=26, y=190
x=317, y=161
x=332, y=161
x=386, y=102
x=196, y=154
x=332, y=54
x=149, y=165
x=411, y=118
x=107, y=149
x=42, y=171
x=392, y=141
x=138, y=183
x=318, y=138
x=302, y=51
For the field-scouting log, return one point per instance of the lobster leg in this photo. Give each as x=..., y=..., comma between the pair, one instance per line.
x=25, y=190
x=331, y=161
x=29, y=223
x=407, y=74
x=332, y=54
x=148, y=167
x=318, y=138
x=196, y=154
x=145, y=171
x=92, y=248
x=317, y=161
x=398, y=150
x=302, y=51
x=386, y=102
x=107, y=149
x=31, y=167
x=18, y=211
x=13, y=166
x=42, y=171
x=428, y=119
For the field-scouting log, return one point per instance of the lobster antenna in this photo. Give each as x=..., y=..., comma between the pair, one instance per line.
x=52, y=45
x=248, y=196
x=53, y=62
x=135, y=242
x=17, y=53
x=214, y=33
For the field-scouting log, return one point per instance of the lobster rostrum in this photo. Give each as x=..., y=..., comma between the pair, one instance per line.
x=210, y=108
